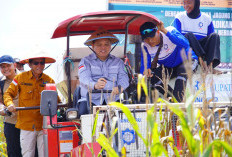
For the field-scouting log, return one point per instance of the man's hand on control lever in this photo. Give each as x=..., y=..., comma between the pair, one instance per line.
x=11, y=108
x=116, y=91
x=101, y=83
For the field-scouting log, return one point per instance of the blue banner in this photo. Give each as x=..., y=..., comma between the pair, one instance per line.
x=222, y=19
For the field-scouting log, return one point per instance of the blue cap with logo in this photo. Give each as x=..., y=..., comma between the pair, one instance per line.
x=6, y=59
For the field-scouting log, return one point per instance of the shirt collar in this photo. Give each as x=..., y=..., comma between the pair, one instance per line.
x=93, y=56
x=17, y=72
x=147, y=45
x=32, y=76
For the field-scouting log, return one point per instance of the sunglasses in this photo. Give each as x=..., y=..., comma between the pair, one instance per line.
x=149, y=30
x=37, y=63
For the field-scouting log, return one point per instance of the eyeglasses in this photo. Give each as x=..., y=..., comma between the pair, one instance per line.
x=37, y=63
x=148, y=30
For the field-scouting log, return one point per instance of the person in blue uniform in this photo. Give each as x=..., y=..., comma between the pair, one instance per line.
x=101, y=71
x=199, y=30
x=164, y=47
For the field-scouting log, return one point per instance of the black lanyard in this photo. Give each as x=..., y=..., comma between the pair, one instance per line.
x=155, y=60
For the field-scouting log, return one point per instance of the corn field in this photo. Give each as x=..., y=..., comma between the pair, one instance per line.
x=197, y=137
x=202, y=131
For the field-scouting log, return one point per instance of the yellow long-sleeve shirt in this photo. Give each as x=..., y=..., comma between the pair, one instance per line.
x=29, y=90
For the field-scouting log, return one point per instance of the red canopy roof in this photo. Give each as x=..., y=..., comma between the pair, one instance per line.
x=114, y=21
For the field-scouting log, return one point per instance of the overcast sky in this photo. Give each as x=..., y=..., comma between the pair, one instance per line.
x=28, y=24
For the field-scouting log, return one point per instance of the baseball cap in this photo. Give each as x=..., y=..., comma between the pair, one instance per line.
x=148, y=29
x=18, y=61
x=6, y=59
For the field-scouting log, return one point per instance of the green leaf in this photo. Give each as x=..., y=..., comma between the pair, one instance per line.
x=216, y=146
x=150, y=117
x=208, y=150
x=157, y=148
x=191, y=111
x=130, y=118
x=227, y=147
x=104, y=142
x=95, y=124
x=192, y=143
x=100, y=153
x=155, y=134
x=113, y=133
x=144, y=85
x=176, y=152
x=123, y=151
x=139, y=86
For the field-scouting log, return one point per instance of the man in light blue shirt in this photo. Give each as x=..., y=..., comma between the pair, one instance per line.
x=101, y=71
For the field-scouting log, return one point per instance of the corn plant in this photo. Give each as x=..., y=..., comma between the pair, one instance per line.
x=197, y=137
x=3, y=150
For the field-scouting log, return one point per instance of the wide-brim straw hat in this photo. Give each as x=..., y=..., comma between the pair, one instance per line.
x=37, y=55
x=101, y=34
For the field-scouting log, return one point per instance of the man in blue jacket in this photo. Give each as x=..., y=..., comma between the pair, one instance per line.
x=166, y=47
x=101, y=71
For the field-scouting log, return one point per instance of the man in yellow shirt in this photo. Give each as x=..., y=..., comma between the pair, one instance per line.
x=29, y=86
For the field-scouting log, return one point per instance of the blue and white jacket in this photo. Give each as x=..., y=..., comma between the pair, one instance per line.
x=200, y=27
x=170, y=55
